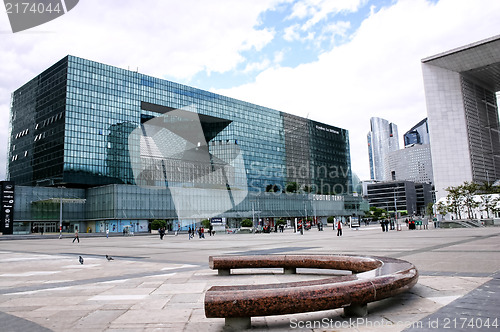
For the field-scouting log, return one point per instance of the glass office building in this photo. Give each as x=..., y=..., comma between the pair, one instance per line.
x=418, y=134
x=83, y=124
x=382, y=139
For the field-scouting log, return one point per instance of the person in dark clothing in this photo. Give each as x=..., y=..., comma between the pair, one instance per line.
x=76, y=236
x=339, y=228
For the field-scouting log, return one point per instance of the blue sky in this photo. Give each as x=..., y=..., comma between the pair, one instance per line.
x=335, y=61
x=300, y=34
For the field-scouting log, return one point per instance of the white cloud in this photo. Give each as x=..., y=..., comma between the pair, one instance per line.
x=377, y=73
x=291, y=33
x=257, y=66
x=319, y=10
x=175, y=39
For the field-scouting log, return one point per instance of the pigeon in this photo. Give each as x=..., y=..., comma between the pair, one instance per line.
x=109, y=258
x=80, y=259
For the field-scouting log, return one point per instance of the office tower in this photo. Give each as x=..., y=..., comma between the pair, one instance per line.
x=382, y=139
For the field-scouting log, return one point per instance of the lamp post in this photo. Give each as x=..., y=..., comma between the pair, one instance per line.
x=60, y=211
x=396, y=210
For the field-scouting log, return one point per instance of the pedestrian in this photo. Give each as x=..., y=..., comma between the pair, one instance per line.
x=202, y=233
x=162, y=233
x=190, y=230
x=210, y=229
x=76, y=236
x=339, y=228
x=107, y=233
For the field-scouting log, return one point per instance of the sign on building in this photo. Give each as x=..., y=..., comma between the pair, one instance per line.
x=7, y=211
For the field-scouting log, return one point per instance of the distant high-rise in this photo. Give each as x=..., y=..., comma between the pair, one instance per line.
x=382, y=139
x=460, y=87
x=414, y=162
x=419, y=134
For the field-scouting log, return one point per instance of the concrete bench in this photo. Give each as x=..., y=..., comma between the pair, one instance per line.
x=374, y=278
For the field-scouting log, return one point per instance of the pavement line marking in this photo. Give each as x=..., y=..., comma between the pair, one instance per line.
x=178, y=267
x=117, y=297
x=39, y=290
x=444, y=300
x=29, y=274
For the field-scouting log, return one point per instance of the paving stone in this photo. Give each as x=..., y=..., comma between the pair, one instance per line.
x=159, y=286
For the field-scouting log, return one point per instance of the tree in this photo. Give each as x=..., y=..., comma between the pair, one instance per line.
x=205, y=223
x=429, y=209
x=280, y=222
x=246, y=223
x=495, y=206
x=454, y=201
x=272, y=188
x=442, y=208
x=376, y=213
x=307, y=189
x=468, y=190
x=488, y=188
x=292, y=187
x=158, y=223
x=330, y=219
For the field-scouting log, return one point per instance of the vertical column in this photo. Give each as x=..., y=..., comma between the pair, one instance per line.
x=7, y=210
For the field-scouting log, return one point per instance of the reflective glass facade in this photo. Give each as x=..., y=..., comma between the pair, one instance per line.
x=71, y=124
x=382, y=139
x=418, y=134
x=137, y=148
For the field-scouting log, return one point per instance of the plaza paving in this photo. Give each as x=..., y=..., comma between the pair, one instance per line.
x=154, y=285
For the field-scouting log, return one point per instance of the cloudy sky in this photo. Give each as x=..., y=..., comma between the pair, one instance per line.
x=335, y=61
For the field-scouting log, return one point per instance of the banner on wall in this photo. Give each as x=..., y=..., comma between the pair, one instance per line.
x=7, y=211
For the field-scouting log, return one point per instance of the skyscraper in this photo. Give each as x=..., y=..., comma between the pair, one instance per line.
x=418, y=134
x=382, y=139
x=414, y=162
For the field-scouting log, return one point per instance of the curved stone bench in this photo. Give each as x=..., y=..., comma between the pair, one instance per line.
x=374, y=278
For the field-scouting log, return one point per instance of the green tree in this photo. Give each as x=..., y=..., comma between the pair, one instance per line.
x=246, y=223
x=272, y=188
x=486, y=204
x=488, y=188
x=454, y=200
x=429, y=209
x=158, y=223
x=205, y=223
x=442, y=208
x=468, y=190
x=280, y=222
x=330, y=219
x=292, y=187
x=376, y=213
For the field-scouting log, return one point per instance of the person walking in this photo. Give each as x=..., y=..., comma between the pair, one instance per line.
x=107, y=233
x=339, y=228
x=190, y=231
x=76, y=236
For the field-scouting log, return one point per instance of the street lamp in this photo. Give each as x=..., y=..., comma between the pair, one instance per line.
x=60, y=211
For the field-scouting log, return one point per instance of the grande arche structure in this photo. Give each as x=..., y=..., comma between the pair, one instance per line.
x=460, y=90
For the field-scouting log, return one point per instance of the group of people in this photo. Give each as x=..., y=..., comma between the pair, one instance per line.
x=199, y=230
x=385, y=225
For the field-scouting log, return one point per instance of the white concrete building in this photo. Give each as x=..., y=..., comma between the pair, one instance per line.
x=460, y=87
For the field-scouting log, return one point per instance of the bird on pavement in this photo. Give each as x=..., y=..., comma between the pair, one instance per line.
x=109, y=258
x=80, y=259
